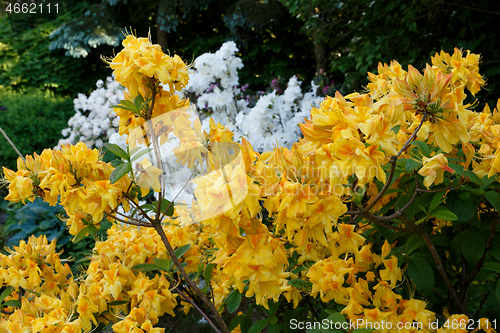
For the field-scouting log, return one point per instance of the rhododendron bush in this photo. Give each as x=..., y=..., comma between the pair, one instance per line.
x=383, y=213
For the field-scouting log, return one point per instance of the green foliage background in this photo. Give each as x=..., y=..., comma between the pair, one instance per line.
x=33, y=120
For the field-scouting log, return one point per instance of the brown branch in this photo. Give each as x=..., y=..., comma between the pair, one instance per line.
x=440, y=190
x=442, y=271
x=158, y=227
x=397, y=214
x=139, y=209
x=148, y=225
x=369, y=216
x=151, y=107
x=393, y=166
x=190, y=301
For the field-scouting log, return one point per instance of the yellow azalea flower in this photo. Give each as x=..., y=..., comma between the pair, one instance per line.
x=154, y=62
x=355, y=158
x=148, y=176
x=327, y=277
x=416, y=310
x=392, y=272
x=433, y=169
x=379, y=132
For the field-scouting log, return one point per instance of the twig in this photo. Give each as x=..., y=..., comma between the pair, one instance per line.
x=393, y=166
x=158, y=227
x=387, y=225
x=395, y=215
x=129, y=222
x=484, y=299
x=442, y=271
x=190, y=301
x=139, y=209
x=177, y=195
x=12, y=144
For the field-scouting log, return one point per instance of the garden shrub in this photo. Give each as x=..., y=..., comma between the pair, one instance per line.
x=33, y=120
x=384, y=213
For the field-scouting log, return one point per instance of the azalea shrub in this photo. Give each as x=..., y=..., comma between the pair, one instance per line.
x=381, y=217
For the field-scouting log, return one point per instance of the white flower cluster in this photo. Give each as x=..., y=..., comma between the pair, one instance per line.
x=274, y=119
x=216, y=82
x=94, y=122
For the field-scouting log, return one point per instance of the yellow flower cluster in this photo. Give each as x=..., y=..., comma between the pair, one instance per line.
x=140, y=59
x=76, y=176
x=44, y=286
x=140, y=67
x=111, y=276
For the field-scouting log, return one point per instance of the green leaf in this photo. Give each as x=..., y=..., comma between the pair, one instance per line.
x=436, y=200
x=233, y=301
x=133, y=151
x=165, y=264
x=235, y=322
x=422, y=147
x=337, y=318
x=5, y=293
x=123, y=107
x=414, y=243
x=457, y=244
x=140, y=154
x=164, y=205
x=463, y=195
x=494, y=199
x=492, y=266
x=129, y=105
x=443, y=213
x=495, y=251
x=207, y=273
x=117, y=150
x=487, y=182
x=182, y=250
x=411, y=165
x=13, y=302
x=459, y=169
x=183, y=264
x=259, y=326
x=119, y=172
x=362, y=330
x=246, y=323
x=79, y=236
x=118, y=303
x=474, y=178
x=420, y=271
x=138, y=101
x=116, y=163
x=463, y=209
x=300, y=284
x=147, y=267
x=92, y=229
x=473, y=246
